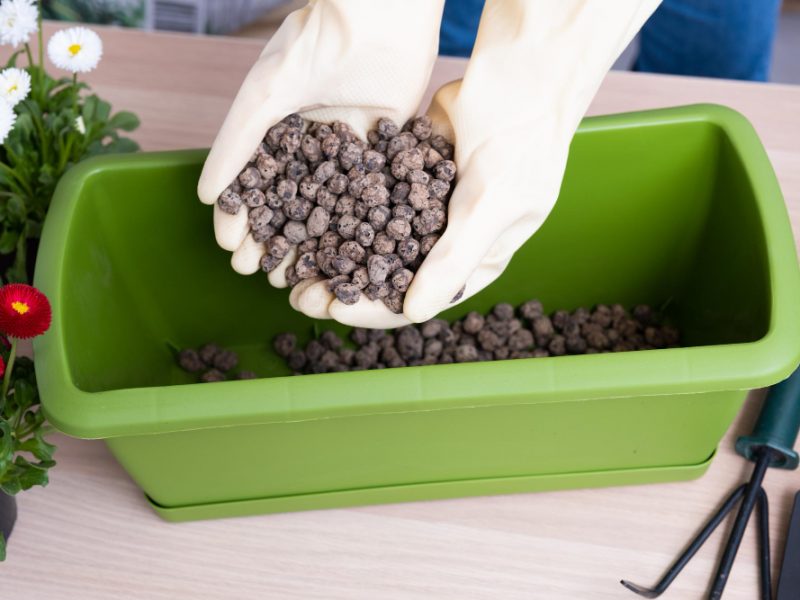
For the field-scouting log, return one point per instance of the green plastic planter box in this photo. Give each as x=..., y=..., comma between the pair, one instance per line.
x=678, y=208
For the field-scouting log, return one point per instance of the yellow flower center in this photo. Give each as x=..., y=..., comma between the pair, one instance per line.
x=74, y=49
x=13, y=88
x=20, y=307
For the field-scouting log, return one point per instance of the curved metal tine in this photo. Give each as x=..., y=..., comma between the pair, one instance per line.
x=691, y=549
x=763, y=545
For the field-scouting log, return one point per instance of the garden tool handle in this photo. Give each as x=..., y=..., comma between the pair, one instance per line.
x=777, y=425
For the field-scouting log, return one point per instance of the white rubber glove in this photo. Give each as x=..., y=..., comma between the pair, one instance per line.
x=348, y=60
x=535, y=68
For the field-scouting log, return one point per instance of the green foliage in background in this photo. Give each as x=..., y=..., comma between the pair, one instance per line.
x=127, y=13
x=44, y=143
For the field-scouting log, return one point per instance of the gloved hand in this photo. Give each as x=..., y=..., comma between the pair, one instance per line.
x=535, y=68
x=348, y=60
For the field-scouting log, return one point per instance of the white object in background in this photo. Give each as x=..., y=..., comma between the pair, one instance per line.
x=204, y=16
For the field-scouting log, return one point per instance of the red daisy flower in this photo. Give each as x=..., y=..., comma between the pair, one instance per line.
x=2, y=367
x=24, y=311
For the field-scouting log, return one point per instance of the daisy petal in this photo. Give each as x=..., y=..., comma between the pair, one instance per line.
x=15, y=85
x=7, y=119
x=18, y=21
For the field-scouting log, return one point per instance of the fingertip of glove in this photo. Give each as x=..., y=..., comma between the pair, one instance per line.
x=230, y=230
x=314, y=300
x=277, y=277
x=207, y=190
x=441, y=107
x=246, y=259
x=418, y=314
x=371, y=314
x=425, y=300
x=298, y=289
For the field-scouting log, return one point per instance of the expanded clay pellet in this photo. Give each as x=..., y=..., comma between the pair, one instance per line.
x=212, y=363
x=342, y=202
x=504, y=333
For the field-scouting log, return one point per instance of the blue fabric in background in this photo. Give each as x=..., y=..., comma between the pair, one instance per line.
x=459, y=27
x=708, y=38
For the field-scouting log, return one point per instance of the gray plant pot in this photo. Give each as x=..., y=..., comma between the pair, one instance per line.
x=8, y=513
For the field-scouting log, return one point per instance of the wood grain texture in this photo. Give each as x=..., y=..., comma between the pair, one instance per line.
x=90, y=535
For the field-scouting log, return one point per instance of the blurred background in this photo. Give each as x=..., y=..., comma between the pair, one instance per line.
x=260, y=19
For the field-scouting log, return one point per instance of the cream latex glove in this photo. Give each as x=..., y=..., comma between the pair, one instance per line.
x=348, y=60
x=535, y=68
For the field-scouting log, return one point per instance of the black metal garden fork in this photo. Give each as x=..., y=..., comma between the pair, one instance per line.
x=769, y=445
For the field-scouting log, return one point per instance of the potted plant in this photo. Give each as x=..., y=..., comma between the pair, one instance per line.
x=25, y=456
x=46, y=126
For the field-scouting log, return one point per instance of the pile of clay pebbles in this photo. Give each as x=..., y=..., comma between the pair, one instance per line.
x=505, y=333
x=212, y=363
x=361, y=214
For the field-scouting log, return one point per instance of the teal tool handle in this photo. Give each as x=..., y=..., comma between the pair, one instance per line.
x=777, y=425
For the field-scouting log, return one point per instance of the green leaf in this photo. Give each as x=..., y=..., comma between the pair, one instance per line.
x=31, y=107
x=37, y=446
x=62, y=96
x=47, y=175
x=33, y=477
x=16, y=208
x=23, y=368
x=18, y=272
x=103, y=111
x=24, y=124
x=2, y=547
x=89, y=108
x=25, y=394
x=11, y=485
x=127, y=121
x=8, y=241
x=34, y=229
x=6, y=448
x=31, y=474
x=116, y=145
x=122, y=145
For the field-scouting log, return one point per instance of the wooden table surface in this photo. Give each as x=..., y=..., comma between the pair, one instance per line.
x=90, y=535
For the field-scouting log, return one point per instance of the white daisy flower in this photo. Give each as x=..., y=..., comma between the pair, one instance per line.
x=80, y=125
x=18, y=21
x=15, y=85
x=7, y=119
x=76, y=49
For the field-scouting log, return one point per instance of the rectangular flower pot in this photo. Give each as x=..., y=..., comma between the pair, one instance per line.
x=678, y=208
